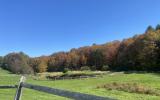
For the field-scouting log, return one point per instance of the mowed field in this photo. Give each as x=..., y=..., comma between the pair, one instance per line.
x=88, y=86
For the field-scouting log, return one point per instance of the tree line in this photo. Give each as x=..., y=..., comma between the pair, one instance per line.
x=139, y=53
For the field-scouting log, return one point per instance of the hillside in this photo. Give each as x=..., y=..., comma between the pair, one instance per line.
x=139, y=53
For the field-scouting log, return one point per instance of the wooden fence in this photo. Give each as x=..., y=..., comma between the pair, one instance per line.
x=54, y=91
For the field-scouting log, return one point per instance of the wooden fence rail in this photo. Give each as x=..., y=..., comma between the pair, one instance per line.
x=64, y=93
x=8, y=87
x=54, y=91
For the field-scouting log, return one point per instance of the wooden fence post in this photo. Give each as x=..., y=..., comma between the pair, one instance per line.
x=19, y=89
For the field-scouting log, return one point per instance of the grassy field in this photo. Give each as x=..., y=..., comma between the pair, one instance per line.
x=84, y=86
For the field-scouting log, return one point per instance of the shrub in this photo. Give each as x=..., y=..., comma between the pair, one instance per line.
x=105, y=68
x=130, y=87
x=1, y=61
x=93, y=68
x=85, y=68
x=65, y=70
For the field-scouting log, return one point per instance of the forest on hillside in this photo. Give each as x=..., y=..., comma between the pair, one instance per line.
x=138, y=53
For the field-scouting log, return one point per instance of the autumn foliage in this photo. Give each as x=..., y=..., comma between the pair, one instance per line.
x=139, y=53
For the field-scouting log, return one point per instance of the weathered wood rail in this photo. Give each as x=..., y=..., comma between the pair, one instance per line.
x=64, y=93
x=54, y=91
x=8, y=87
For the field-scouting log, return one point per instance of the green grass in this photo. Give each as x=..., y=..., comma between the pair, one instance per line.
x=84, y=86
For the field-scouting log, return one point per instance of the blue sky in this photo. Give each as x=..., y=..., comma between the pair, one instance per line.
x=42, y=27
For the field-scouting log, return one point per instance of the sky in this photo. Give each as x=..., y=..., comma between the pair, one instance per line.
x=42, y=27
